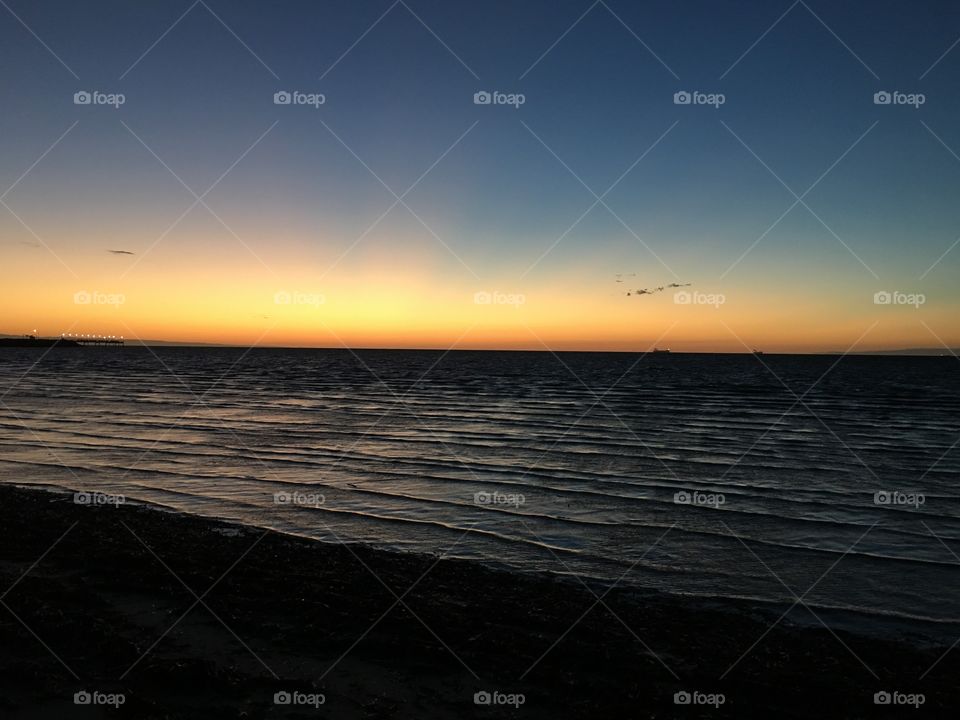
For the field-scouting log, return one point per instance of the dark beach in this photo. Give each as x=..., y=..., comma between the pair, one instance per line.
x=291, y=615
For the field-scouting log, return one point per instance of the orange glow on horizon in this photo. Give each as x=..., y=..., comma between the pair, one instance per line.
x=379, y=300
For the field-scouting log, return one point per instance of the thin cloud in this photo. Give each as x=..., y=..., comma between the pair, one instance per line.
x=25, y=243
x=121, y=252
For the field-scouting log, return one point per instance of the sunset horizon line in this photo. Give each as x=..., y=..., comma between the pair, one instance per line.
x=656, y=348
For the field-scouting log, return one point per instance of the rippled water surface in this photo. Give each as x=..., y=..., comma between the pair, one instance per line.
x=577, y=459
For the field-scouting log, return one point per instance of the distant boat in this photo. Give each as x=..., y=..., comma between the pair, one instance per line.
x=757, y=352
x=661, y=350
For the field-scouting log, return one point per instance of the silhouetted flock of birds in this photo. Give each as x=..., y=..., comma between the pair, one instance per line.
x=647, y=291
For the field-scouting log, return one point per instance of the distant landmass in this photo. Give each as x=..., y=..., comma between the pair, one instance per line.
x=170, y=343
x=912, y=351
x=27, y=341
x=35, y=342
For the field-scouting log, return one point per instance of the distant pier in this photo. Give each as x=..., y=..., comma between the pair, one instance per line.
x=110, y=342
x=65, y=340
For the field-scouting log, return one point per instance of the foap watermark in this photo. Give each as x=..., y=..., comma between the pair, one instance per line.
x=286, y=297
x=95, y=97
x=83, y=297
x=98, y=499
x=895, y=97
x=495, y=697
x=300, y=699
x=296, y=97
x=884, y=297
x=685, y=297
x=897, y=497
x=685, y=697
x=498, y=498
x=695, y=97
x=499, y=298
x=884, y=697
x=483, y=97
x=299, y=498
x=86, y=697
x=701, y=499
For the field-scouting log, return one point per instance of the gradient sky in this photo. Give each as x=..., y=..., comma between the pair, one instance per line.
x=497, y=209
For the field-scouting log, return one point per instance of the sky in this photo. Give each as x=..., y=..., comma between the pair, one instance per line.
x=795, y=212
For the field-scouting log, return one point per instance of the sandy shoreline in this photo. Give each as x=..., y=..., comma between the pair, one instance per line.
x=188, y=617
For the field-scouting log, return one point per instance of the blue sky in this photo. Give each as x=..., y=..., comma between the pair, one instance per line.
x=599, y=82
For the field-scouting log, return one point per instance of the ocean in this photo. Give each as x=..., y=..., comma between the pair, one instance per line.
x=823, y=482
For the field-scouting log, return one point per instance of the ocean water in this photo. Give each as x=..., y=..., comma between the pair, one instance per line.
x=577, y=463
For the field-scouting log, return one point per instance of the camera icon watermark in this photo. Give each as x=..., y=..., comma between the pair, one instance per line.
x=484, y=297
x=98, y=499
x=685, y=297
x=898, y=498
x=884, y=297
x=884, y=697
x=296, y=97
x=495, y=697
x=299, y=498
x=95, y=97
x=695, y=97
x=84, y=297
x=299, y=699
x=85, y=697
x=895, y=97
x=286, y=297
x=700, y=499
x=483, y=97
x=684, y=697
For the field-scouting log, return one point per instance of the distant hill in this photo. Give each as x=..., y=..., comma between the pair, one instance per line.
x=25, y=342
x=921, y=352
x=913, y=351
x=168, y=343
x=130, y=342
